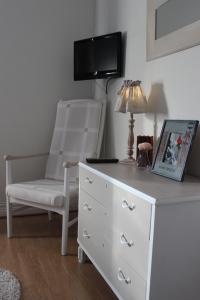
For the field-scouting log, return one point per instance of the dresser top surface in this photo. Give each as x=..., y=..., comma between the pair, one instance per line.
x=154, y=188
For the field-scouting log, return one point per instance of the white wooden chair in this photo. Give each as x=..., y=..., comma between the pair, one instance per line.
x=77, y=134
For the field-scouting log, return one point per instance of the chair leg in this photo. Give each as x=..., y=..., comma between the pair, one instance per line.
x=9, y=217
x=65, y=217
x=49, y=215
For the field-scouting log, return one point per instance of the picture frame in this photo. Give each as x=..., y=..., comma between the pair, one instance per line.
x=180, y=31
x=174, y=147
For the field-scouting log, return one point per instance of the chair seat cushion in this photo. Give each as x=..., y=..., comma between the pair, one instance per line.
x=44, y=191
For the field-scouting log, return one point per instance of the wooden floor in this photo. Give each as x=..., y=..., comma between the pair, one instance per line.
x=33, y=254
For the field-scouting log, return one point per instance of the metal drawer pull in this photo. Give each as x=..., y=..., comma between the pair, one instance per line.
x=87, y=207
x=86, y=235
x=124, y=241
x=121, y=277
x=88, y=180
x=125, y=204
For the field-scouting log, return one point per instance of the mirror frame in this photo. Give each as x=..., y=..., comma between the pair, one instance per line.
x=183, y=38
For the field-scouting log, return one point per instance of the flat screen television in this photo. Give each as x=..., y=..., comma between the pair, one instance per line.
x=98, y=57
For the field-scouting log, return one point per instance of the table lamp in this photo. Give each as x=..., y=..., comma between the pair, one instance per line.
x=131, y=99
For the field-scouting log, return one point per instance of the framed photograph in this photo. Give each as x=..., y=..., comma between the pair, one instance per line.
x=174, y=148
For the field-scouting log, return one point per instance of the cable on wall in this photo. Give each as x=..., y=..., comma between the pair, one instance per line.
x=107, y=82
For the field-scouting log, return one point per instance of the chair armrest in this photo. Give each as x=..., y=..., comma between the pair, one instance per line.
x=12, y=157
x=9, y=158
x=69, y=164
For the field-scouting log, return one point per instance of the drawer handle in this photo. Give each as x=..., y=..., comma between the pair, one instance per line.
x=88, y=180
x=126, y=205
x=86, y=235
x=87, y=207
x=122, y=277
x=124, y=241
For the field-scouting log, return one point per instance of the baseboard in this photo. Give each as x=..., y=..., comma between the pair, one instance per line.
x=19, y=210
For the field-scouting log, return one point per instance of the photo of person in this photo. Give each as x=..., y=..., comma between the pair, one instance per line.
x=173, y=149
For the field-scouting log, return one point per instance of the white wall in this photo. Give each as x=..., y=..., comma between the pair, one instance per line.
x=171, y=83
x=36, y=70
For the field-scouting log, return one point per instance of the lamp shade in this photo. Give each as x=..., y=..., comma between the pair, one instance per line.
x=131, y=98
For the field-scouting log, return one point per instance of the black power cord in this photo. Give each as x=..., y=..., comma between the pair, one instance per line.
x=107, y=82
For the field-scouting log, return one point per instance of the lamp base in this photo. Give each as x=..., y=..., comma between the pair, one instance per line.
x=128, y=161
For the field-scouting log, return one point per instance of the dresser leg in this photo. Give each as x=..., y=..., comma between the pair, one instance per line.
x=81, y=255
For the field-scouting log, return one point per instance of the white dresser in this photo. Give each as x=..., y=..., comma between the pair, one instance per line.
x=141, y=231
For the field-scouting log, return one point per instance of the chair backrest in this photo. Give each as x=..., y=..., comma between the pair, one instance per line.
x=77, y=134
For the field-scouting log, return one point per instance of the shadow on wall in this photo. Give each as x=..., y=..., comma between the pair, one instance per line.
x=157, y=109
x=124, y=46
x=194, y=161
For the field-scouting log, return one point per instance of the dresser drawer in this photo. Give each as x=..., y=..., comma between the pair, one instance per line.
x=92, y=223
x=86, y=239
x=93, y=218
x=96, y=186
x=94, y=214
x=130, y=213
x=130, y=218
x=89, y=236
x=97, y=251
x=126, y=281
x=132, y=248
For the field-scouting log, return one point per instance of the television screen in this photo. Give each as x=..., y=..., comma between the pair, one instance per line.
x=98, y=57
